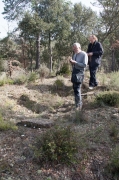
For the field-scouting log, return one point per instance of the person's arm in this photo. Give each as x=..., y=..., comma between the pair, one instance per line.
x=84, y=63
x=99, y=51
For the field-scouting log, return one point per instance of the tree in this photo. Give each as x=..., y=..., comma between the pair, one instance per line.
x=14, y=8
x=31, y=28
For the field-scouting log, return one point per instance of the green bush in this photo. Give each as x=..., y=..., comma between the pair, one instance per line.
x=113, y=131
x=5, y=125
x=20, y=80
x=57, y=145
x=59, y=84
x=64, y=70
x=113, y=165
x=43, y=71
x=6, y=81
x=32, y=77
x=113, y=83
x=110, y=98
x=2, y=82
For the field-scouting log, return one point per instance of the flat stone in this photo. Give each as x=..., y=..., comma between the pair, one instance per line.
x=36, y=123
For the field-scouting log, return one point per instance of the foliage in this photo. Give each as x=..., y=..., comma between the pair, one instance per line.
x=113, y=165
x=8, y=48
x=110, y=98
x=6, y=125
x=43, y=71
x=6, y=81
x=1, y=65
x=113, y=131
x=64, y=70
x=80, y=117
x=113, y=82
x=20, y=80
x=32, y=77
x=57, y=145
x=59, y=84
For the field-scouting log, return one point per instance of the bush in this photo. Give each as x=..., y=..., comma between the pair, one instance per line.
x=113, y=165
x=57, y=145
x=59, y=84
x=113, y=131
x=6, y=81
x=43, y=71
x=20, y=80
x=5, y=125
x=80, y=117
x=110, y=98
x=64, y=70
x=32, y=77
x=113, y=83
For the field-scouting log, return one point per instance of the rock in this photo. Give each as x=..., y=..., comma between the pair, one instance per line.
x=36, y=123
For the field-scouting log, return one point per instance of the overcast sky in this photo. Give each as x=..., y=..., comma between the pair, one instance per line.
x=6, y=27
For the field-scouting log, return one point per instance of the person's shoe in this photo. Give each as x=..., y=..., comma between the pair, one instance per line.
x=79, y=108
x=91, y=87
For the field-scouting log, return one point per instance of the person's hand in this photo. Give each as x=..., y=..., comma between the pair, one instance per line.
x=72, y=61
x=90, y=54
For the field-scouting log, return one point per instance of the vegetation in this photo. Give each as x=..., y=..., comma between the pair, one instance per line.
x=110, y=98
x=39, y=47
x=58, y=145
x=6, y=125
x=113, y=165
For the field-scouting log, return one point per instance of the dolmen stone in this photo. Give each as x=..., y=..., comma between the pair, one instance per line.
x=36, y=123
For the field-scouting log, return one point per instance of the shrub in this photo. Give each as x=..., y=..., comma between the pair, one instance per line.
x=57, y=145
x=113, y=83
x=59, y=84
x=32, y=77
x=113, y=131
x=6, y=81
x=43, y=71
x=2, y=82
x=80, y=117
x=64, y=70
x=113, y=165
x=5, y=125
x=110, y=98
x=1, y=65
x=20, y=80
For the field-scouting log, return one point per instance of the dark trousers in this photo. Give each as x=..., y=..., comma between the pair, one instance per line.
x=77, y=94
x=93, y=81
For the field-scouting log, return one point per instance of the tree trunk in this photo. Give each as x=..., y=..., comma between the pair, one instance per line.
x=37, y=52
x=23, y=52
x=112, y=68
x=50, y=49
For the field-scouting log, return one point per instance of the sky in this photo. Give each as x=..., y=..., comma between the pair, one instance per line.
x=6, y=27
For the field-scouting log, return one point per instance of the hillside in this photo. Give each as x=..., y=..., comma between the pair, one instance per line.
x=52, y=105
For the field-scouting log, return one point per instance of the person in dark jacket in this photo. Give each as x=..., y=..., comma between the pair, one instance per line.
x=94, y=52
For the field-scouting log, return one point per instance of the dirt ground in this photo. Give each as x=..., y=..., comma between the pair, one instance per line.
x=54, y=104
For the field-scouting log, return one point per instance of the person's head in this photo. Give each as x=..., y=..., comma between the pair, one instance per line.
x=93, y=38
x=76, y=47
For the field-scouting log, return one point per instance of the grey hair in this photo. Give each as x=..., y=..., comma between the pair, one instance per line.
x=77, y=44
